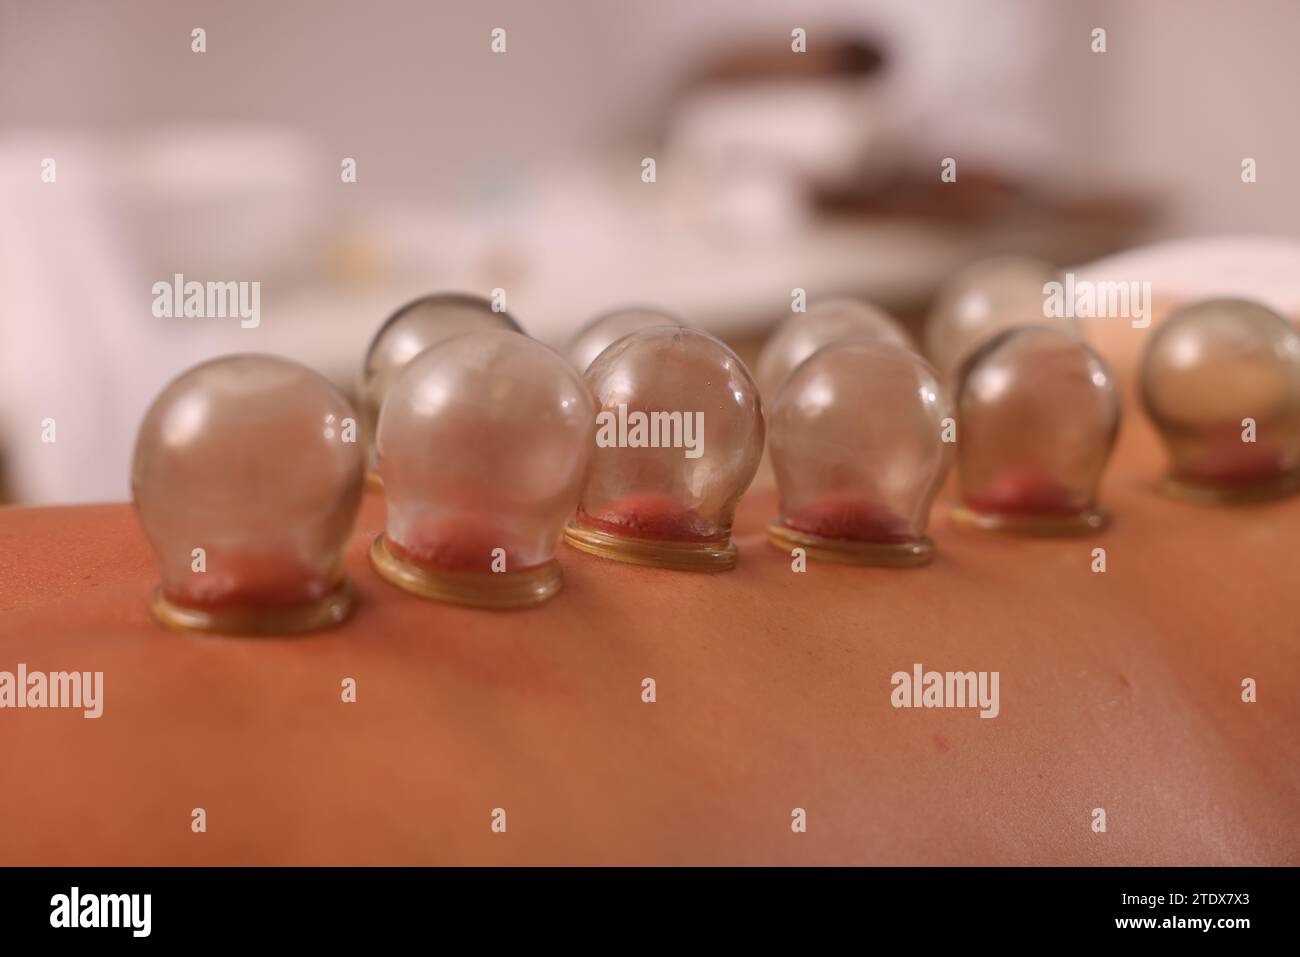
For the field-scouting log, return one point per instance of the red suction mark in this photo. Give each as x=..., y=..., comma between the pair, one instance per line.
x=1230, y=461
x=1025, y=493
x=655, y=517
x=246, y=579
x=455, y=543
x=852, y=519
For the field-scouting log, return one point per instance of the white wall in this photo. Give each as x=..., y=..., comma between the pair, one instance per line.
x=1187, y=88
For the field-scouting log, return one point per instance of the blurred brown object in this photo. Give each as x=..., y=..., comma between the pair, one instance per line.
x=842, y=58
x=979, y=196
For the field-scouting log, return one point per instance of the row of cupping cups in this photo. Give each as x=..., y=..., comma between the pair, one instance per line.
x=490, y=447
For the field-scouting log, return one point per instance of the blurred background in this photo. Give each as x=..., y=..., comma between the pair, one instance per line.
x=522, y=170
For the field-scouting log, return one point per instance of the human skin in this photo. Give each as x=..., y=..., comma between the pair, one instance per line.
x=1120, y=691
